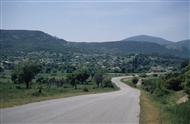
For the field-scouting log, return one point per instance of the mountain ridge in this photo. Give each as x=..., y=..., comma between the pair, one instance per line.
x=130, y=47
x=27, y=40
x=148, y=38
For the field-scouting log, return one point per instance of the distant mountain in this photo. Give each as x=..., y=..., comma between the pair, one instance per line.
x=129, y=47
x=147, y=38
x=184, y=43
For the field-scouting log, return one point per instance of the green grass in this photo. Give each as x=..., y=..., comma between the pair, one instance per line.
x=16, y=94
x=162, y=109
x=128, y=81
x=57, y=75
x=178, y=114
x=149, y=112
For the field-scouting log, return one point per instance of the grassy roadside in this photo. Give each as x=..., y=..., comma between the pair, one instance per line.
x=149, y=113
x=161, y=110
x=11, y=96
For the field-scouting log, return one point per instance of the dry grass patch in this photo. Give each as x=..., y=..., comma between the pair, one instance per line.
x=150, y=114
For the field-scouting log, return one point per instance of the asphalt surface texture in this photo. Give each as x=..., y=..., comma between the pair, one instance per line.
x=114, y=107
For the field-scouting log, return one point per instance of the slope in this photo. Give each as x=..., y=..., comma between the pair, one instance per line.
x=27, y=41
x=147, y=38
x=14, y=41
x=129, y=47
x=184, y=43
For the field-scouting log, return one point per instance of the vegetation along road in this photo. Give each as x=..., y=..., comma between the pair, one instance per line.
x=116, y=107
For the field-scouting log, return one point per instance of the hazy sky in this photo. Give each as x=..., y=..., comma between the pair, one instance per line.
x=100, y=20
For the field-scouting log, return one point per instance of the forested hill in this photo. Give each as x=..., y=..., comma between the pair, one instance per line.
x=25, y=40
x=123, y=46
x=129, y=47
x=184, y=43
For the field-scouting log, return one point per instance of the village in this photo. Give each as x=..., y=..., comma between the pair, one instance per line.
x=112, y=63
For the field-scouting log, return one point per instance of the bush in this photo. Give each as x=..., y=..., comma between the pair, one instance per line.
x=187, y=90
x=155, y=75
x=35, y=93
x=135, y=80
x=143, y=75
x=18, y=87
x=85, y=89
x=107, y=83
x=54, y=71
x=161, y=92
x=174, y=84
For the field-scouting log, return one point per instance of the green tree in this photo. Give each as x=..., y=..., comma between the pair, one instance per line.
x=1, y=69
x=14, y=77
x=186, y=78
x=184, y=63
x=25, y=72
x=48, y=70
x=98, y=78
x=71, y=78
x=82, y=75
x=135, y=64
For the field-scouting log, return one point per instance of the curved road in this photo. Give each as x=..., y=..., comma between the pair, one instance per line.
x=115, y=107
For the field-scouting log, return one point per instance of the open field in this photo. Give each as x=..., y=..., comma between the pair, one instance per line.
x=11, y=96
x=16, y=94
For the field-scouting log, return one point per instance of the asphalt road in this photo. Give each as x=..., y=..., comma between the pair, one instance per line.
x=116, y=107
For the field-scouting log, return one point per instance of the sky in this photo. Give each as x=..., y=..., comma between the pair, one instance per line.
x=99, y=20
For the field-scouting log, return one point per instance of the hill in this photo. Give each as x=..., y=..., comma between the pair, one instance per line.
x=17, y=41
x=147, y=38
x=184, y=43
x=129, y=47
x=27, y=41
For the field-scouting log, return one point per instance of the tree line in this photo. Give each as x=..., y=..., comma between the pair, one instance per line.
x=25, y=72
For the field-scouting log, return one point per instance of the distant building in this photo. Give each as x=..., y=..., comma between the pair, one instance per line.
x=155, y=69
x=1, y=64
x=170, y=67
x=16, y=62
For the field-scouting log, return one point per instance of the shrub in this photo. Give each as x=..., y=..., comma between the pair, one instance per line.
x=65, y=86
x=54, y=71
x=39, y=89
x=155, y=75
x=85, y=89
x=174, y=84
x=135, y=80
x=143, y=75
x=108, y=83
x=18, y=87
x=161, y=92
x=35, y=93
x=187, y=90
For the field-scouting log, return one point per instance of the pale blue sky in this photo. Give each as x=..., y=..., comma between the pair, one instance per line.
x=99, y=21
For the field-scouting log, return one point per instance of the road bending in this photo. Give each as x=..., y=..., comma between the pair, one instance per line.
x=114, y=107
